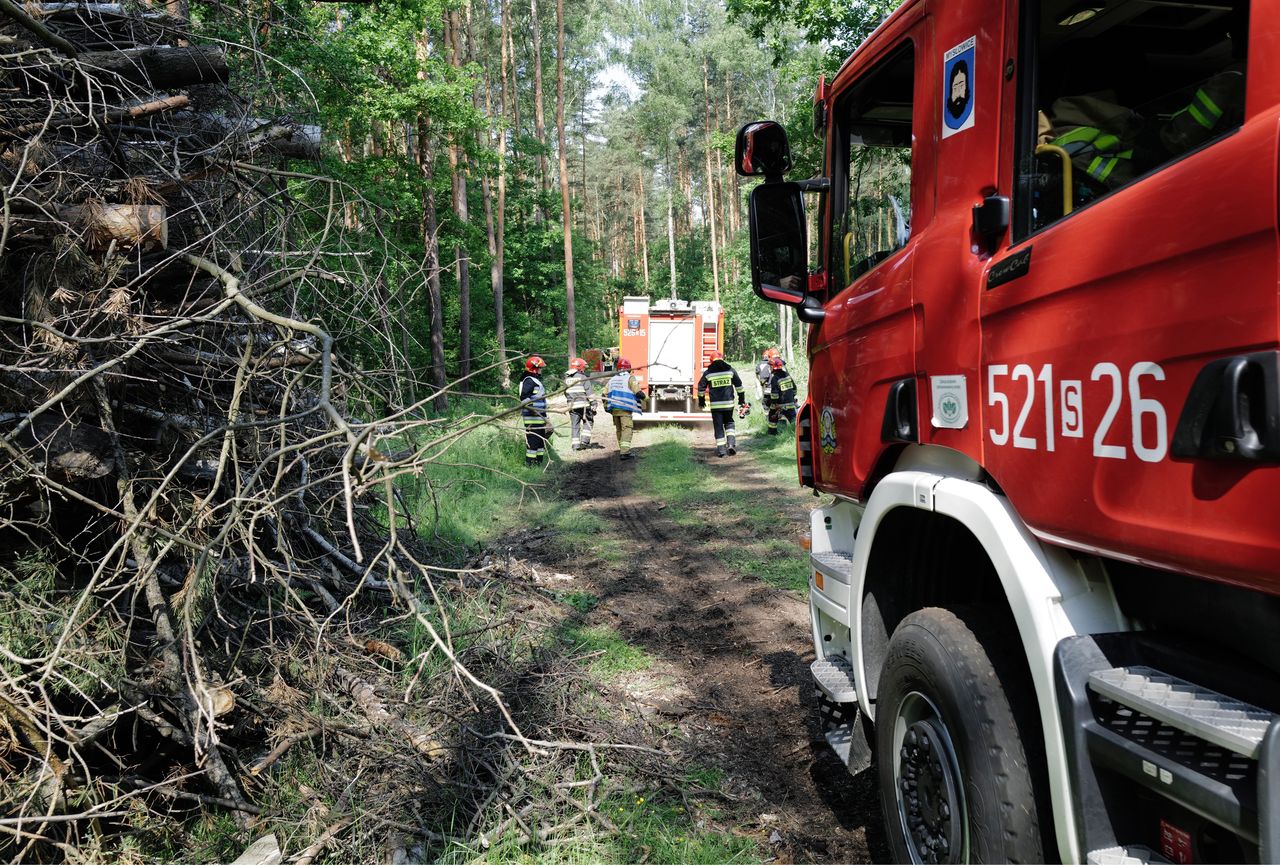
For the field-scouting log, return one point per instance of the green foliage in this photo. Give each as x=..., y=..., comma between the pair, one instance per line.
x=839, y=24
x=583, y=602
x=37, y=610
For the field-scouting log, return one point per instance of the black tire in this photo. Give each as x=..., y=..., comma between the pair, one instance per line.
x=947, y=729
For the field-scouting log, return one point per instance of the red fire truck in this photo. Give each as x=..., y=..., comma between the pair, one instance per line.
x=1044, y=401
x=669, y=343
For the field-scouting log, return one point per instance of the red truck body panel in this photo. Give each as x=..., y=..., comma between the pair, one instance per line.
x=1075, y=373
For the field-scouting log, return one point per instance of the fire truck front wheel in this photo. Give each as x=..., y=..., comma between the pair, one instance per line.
x=955, y=784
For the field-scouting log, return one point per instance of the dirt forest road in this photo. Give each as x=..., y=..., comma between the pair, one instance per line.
x=731, y=688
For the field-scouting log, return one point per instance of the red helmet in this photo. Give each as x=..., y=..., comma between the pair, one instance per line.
x=579, y=364
x=716, y=355
x=624, y=365
x=777, y=362
x=770, y=352
x=534, y=364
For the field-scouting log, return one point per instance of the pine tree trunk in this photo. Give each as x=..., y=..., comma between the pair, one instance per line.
x=457, y=171
x=514, y=91
x=498, y=248
x=644, y=231
x=430, y=229
x=539, y=117
x=567, y=216
x=711, y=183
x=671, y=225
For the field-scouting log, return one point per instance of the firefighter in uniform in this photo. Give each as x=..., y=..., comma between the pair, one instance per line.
x=721, y=382
x=579, y=393
x=764, y=371
x=782, y=395
x=622, y=398
x=533, y=411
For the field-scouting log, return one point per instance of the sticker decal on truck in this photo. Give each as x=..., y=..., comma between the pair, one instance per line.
x=957, y=88
x=827, y=430
x=950, y=401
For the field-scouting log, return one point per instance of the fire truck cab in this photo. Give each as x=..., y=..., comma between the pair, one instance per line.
x=1044, y=402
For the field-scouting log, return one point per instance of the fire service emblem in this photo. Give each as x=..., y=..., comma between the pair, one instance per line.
x=827, y=430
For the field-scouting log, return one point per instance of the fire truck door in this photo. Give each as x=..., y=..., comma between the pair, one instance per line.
x=1118, y=289
x=867, y=339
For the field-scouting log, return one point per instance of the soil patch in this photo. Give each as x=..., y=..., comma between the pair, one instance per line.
x=731, y=690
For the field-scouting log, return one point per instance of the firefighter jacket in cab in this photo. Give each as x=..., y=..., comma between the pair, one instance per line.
x=578, y=390
x=533, y=400
x=620, y=393
x=724, y=385
x=782, y=389
x=1097, y=134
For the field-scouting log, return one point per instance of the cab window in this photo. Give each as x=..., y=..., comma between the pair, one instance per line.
x=872, y=167
x=1114, y=91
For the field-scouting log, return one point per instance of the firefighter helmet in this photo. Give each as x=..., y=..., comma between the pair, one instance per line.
x=534, y=364
x=770, y=352
x=716, y=355
x=578, y=364
x=624, y=365
x=777, y=362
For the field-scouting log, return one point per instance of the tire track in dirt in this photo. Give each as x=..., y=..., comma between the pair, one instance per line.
x=733, y=655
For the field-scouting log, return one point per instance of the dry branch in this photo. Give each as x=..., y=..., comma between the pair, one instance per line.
x=17, y=13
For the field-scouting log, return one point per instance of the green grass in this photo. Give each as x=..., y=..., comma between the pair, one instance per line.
x=668, y=471
x=653, y=830
x=705, y=777
x=779, y=563
x=703, y=501
x=659, y=831
x=610, y=654
x=461, y=496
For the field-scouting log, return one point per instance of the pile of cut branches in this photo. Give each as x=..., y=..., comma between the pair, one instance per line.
x=202, y=544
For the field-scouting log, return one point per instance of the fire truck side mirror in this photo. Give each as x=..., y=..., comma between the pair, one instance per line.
x=762, y=149
x=779, y=244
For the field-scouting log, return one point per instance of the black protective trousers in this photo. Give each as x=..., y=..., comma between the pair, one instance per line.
x=722, y=424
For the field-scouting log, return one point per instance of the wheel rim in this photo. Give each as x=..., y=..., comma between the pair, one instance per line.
x=926, y=778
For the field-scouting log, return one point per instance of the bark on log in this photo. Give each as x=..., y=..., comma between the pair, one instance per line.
x=160, y=68
x=128, y=225
x=116, y=10
x=298, y=142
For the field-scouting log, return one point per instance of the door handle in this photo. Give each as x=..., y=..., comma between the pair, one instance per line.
x=1232, y=411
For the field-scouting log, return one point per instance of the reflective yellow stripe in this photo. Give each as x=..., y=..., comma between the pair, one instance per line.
x=1079, y=135
x=1198, y=117
x=1106, y=142
x=1208, y=103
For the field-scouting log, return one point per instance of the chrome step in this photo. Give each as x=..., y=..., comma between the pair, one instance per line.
x=1224, y=721
x=1136, y=855
x=839, y=565
x=834, y=675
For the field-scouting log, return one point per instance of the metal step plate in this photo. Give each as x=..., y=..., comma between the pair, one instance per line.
x=1226, y=722
x=834, y=675
x=1126, y=856
x=838, y=565
x=850, y=745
